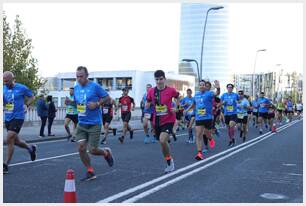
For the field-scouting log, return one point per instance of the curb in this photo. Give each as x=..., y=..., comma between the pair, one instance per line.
x=44, y=139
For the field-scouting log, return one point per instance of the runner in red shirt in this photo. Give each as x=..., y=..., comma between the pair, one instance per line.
x=163, y=114
x=125, y=103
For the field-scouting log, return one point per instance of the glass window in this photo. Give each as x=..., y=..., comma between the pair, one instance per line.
x=67, y=83
x=63, y=102
x=123, y=82
x=106, y=83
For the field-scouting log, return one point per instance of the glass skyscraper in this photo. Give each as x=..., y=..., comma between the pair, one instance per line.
x=215, y=53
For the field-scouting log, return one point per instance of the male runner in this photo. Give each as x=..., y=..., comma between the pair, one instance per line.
x=147, y=117
x=71, y=114
x=189, y=114
x=163, y=114
x=13, y=103
x=264, y=105
x=107, y=117
x=242, y=116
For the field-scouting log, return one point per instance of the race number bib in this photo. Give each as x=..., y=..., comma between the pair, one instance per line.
x=105, y=110
x=161, y=110
x=81, y=109
x=190, y=111
x=147, y=115
x=202, y=112
x=230, y=108
x=70, y=110
x=9, y=108
x=255, y=110
x=124, y=108
x=240, y=116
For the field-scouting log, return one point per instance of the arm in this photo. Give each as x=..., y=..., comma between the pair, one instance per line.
x=217, y=86
x=133, y=103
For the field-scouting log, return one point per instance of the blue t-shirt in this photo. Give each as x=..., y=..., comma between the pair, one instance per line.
x=262, y=107
x=91, y=92
x=144, y=100
x=255, y=105
x=203, y=105
x=241, y=107
x=230, y=103
x=13, y=100
x=186, y=101
x=289, y=105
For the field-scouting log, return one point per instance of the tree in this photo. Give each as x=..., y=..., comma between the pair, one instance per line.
x=17, y=55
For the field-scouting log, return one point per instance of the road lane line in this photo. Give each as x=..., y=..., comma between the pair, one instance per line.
x=146, y=184
x=181, y=177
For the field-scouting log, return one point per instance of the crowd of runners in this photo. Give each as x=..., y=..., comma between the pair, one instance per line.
x=164, y=111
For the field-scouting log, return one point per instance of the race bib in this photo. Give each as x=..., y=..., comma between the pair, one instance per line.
x=230, y=108
x=262, y=105
x=124, y=108
x=70, y=110
x=81, y=109
x=202, y=112
x=190, y=111
x=255, y=110
x=105, y=110
x=161, y=110
x=147, y=116
x=240, y=116
x=9, y=107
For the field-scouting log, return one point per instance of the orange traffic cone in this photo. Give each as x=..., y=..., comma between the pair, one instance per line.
x=69, y=190
x=274, y=127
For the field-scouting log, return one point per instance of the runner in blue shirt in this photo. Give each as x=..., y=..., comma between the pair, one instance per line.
x=263, y=107
x=189, y=115
x=242, y=117
x=289, y=108
x=229, y=102
x=13, y=104
x=203, y=103
x=255, y=111
x=89, y=96
x=147, y=117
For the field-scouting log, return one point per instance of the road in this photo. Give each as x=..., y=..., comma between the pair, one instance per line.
x=265, y=169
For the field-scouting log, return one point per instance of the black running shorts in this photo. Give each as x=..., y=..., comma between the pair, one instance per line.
x=14, y=125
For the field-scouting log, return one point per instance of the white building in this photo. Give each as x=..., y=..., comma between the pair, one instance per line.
x=114, y=81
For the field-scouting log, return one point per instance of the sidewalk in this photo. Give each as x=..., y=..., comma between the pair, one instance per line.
x=30, y=133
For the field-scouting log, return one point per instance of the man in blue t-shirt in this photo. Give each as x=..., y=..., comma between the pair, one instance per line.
x=263, y=107
x=189, y=114
x=89, y=96
x=255, y=111
x=147, y=117
x=13, y=104
x=242, y=115
x=203, y=104
x=229, y=102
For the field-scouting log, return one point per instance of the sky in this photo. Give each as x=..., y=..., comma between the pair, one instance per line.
x=145, y=36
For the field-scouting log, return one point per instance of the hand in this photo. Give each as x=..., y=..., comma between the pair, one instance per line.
x=92, y=105
x=173, y=109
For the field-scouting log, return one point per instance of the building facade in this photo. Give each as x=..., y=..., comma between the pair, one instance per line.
x=215, y=53
x=114, y=81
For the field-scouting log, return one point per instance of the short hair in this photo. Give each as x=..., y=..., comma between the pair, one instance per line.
x=83, y=68
x=202, y=80
x=125, y=89
x=49, y=98
x=262, y=92
x=159, y=73
x=241, y=92
x=150, y=85
x=230, y=84
x=71, y=88
x=189, y=90
x=207, y=82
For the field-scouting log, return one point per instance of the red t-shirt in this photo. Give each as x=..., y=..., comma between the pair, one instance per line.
x=162, y=108
x=126, y=102
x=107, y=109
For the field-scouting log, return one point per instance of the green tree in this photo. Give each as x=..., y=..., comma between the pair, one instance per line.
x=17, y=55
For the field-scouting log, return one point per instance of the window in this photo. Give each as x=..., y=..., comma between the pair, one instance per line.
x=123, y=82
x=67, y=83
x=106, y=83
x=63, y=102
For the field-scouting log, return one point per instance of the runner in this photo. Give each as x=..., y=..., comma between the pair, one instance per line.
x=289, y=108
x=14, y=95
x=71, y=114
x=203, y=103
x=250, y=109
x=125, y=103
x=189, y=115
x=107, y=117
x=271, y=114
x=89, y=96
x=299, y=109
x=163, y=114
x=255, y=111
x=147, y=117
x=229, y=101
x=280, y=110
x=243, y=106
x=264, y=105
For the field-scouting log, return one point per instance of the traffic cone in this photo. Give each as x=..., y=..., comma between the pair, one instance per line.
x=69, y=190
x=274, y=127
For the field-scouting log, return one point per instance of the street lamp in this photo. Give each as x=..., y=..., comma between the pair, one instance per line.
x=193, y=60
x=253, y=88
x=212, y=8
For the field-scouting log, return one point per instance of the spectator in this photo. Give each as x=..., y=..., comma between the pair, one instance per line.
x=42, y=112
x=51, y=114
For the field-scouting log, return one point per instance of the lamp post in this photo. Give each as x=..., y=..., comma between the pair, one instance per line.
x=202, y=48
x=253, y=86
x=193, y=60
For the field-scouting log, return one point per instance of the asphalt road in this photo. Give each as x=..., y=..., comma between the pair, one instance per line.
x=266, y=168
